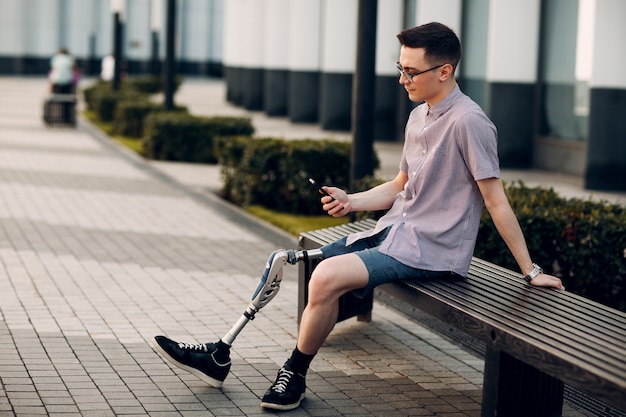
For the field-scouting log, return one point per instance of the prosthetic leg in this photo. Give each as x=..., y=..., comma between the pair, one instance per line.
x=269, y=285
x=266, y=290
x=211, y=361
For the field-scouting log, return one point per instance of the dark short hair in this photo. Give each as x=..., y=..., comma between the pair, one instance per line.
x=439, y=41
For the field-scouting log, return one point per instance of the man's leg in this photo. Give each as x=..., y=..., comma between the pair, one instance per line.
x=332, y=278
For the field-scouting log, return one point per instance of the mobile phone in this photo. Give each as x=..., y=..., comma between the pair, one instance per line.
x=319, y=187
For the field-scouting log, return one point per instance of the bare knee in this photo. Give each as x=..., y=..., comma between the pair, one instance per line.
x=336, y=276
x=322, y=285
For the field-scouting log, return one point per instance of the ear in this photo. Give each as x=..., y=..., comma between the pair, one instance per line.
x=446, y=72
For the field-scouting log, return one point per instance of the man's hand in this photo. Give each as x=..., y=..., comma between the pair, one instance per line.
x=338, y=207
x=545, y=280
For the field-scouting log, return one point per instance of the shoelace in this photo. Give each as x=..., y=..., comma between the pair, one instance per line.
x=284, y=376
x=199, y=346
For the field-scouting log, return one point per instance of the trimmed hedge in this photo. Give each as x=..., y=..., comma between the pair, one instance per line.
x=130, y=115
x=104, y=102
x=149, y=84
x=583, y=242
x=177, y=136
x=275, y=172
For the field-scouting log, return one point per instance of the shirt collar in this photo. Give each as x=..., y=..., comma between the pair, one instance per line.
x=445, y=104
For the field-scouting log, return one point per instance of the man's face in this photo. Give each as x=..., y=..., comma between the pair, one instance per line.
x=425, y=86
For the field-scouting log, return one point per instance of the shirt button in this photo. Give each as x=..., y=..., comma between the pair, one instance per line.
x=424, y=152
x=404, y=214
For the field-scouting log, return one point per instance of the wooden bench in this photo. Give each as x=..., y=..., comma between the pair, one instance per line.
x=536, y=339
x=60, y=110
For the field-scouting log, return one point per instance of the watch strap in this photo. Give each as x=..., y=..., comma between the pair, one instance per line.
x=532, y=274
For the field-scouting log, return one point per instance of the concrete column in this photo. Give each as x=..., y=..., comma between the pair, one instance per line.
x=472, y=75
x=276, y=57
x=337, y=63
x=197, y=32
x=216, y=39
x=512, y=56
x=13, y=32
x=79, y=16
x=559, y=70
x=44, y=28
x=388, y=90
x=606, y=150
x=304, y=60
x=233, y=50
x=40, y=26
x=103, y=27
x=253, y=49
x=137, y=36
x=447, y=12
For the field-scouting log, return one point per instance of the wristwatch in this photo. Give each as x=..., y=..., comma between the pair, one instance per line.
x=532, y=274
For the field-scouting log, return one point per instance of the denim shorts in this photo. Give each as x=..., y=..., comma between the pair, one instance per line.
x=381, y=268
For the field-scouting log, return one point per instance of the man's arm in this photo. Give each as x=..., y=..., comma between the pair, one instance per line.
x=380, y=197
x=506, y=222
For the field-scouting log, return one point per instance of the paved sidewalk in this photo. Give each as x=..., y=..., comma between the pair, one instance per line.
x=100, y=251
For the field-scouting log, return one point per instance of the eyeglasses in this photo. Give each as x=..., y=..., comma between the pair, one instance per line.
x=410, y=75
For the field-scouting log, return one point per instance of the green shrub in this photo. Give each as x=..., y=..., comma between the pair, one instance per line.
x=229, y=151
x=178, y=136
x=149, y=84
x=90, y=94
x=128, y=106
x=130, y=116
x=274, y=172
x=580, y=241
x=104, y=101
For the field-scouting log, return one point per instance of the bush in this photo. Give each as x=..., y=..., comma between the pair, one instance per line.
x=580, y=241
x=149, y=84
x=129, y=118
x=177, y=136
x=128, y=106
x=90, y=94
x=106, y=102
x=103, y=101
x=275, y=173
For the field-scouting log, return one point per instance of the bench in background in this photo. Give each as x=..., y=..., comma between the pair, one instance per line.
x=536, y=339
x=60, y=110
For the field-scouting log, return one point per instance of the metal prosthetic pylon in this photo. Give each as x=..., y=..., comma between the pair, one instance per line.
x=266, y=290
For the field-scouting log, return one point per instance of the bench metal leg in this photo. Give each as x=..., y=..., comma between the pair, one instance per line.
x=514, y=389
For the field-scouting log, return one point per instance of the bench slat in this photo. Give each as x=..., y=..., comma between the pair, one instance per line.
x=571, y=312
x=592, y=310
x=530, y=327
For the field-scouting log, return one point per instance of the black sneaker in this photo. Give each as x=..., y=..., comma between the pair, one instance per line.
x=286, y=392
x=204, y=360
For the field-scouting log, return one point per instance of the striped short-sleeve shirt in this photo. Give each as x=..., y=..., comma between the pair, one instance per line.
x=434, y=220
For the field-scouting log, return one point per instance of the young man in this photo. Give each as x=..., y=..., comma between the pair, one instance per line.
x=449, y=168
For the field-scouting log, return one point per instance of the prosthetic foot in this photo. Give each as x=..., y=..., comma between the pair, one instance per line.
x=211, y=361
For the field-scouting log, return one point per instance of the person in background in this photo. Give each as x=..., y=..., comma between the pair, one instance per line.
x=107, y=68
x=61, y=75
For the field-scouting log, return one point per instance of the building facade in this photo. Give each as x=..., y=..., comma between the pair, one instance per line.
x=549, y=73
x=31, y=31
